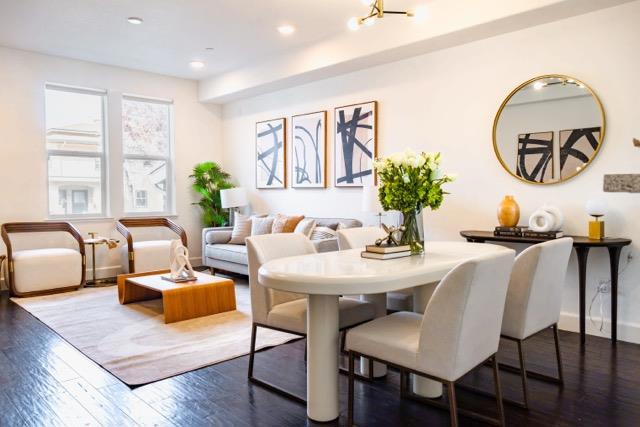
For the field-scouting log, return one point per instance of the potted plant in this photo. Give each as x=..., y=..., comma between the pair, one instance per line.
x=410, y=182
x=209, y=179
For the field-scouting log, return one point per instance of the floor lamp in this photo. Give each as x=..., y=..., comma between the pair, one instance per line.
x=232, y=199
x=371, y=203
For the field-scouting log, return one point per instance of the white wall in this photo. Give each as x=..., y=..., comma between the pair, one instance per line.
x=446, y=101
x=23, y=181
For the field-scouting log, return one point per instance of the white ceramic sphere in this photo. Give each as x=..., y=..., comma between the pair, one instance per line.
x=541, y=221
x=558, y=217
x=596, y=207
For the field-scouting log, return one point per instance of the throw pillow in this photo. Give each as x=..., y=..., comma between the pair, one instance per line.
x=305, y=226
x=321, y=233
x=241, y=229
x=285, y=224
x=261, y=226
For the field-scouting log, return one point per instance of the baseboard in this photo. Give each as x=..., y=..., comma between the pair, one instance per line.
x=629, y=332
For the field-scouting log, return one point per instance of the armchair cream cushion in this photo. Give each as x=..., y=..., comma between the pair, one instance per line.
x=44, y=269
x=149, y=255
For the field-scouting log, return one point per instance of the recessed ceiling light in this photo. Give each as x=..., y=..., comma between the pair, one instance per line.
x=196, y=65
x=286, y=30
x=135, y=20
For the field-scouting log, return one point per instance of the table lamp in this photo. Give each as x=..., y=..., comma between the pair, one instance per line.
x=596, y=208
x=233, y=198
x=371, y=202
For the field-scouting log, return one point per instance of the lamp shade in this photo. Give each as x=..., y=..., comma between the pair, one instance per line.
x=233, y=197
x=596, y=207
x=370, y=201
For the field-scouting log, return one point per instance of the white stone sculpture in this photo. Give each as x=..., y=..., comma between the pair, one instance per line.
x=546, y=218
x=179, y=261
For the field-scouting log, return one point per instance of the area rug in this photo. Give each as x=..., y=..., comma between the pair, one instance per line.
x=133, y=342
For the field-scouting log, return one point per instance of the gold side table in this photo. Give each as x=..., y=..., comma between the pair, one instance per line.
x=94, y=241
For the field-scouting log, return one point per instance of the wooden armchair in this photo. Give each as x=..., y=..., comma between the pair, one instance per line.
x=147, y=251
x=44, y=271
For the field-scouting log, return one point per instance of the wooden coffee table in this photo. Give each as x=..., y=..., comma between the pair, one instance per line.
x=181, y=301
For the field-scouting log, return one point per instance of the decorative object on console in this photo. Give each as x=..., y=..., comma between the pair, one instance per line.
x=271, y=160
x=308, y=168
x=577, y=147
x=509, y=231
x=390, y=239
x=233, y=198
x=355, y=144
x=181, y=270
x=371, y=202
x=209, y=179
x=410, y=182
x=546, y=219
x=508, y=212
x=537, y=111
x=535, y=157
x=596, y=208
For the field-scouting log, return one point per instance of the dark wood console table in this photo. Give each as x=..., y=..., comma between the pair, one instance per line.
x=582, y=245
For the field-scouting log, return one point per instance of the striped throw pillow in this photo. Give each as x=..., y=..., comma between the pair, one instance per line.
x=321, y=233
x=241, y=229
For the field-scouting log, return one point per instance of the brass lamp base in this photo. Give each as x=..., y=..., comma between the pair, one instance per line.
x=596, y=230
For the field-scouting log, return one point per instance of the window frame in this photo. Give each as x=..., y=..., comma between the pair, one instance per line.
x=168, y=159
x=103, y=155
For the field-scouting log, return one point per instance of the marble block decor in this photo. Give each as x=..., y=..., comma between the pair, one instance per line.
x=622, y=183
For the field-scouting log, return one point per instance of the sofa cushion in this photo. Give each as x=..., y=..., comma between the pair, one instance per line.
x=285, y=224
x=241, y=228
x=261, y=226
x=218, y=236
x=321, y=233
x=43, y=269
x=305, y=227
x=229, y=253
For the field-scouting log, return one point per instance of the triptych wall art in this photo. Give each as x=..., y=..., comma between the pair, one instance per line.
x=355, y=148
x=537, y=153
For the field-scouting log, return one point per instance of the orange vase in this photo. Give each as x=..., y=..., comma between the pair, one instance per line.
x=508, y=212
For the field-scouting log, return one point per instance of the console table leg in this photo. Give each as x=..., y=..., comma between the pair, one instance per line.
x=583, y=254
x=614, y=260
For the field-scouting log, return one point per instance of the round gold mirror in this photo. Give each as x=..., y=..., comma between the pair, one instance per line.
x=549, y=129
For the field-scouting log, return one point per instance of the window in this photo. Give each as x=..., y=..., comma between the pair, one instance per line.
x=146, y=145
x=75, y=138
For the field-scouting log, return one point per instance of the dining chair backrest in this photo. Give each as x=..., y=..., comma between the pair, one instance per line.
x=534, y=298
x=264, y=248
x=461, y=324
x=359, y=237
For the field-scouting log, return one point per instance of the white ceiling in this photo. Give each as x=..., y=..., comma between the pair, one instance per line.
x=174, y=32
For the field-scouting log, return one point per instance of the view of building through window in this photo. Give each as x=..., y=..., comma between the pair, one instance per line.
x=146, y=134
x=75, y=147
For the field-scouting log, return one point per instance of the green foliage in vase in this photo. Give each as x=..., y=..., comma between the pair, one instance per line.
x=209, y=179
x=411, y=181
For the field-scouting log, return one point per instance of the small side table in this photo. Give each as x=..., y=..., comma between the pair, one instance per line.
x=582, y=245
x=94, y=241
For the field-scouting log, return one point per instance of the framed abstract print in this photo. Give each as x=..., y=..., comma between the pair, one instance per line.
x=271, y=149
x=309, y=150
x=355, y=142
x=534, y=161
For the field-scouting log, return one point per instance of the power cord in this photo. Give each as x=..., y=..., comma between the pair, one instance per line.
x=604, y=287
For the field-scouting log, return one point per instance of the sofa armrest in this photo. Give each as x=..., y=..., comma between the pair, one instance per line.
x=216, y=235
x=326, y=245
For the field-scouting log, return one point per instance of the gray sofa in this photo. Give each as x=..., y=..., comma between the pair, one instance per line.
x=217, y=253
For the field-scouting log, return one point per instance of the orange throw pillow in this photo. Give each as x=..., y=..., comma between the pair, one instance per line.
x=285, y=224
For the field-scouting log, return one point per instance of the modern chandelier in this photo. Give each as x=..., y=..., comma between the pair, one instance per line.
x=377, y=12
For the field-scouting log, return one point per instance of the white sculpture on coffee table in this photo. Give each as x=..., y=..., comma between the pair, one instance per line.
x=179, y=261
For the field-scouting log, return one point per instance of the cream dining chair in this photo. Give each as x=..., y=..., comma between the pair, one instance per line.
x=359, y=237
x=286, y=311
x=460, y=330
x=534, y=300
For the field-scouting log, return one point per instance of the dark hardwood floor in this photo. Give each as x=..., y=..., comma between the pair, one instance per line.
x=44, y=381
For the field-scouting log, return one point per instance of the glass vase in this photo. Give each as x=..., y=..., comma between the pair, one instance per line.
x=412, y=234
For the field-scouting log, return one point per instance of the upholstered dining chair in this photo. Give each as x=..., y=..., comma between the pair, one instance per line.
x=149, y=255
x=460, y=330
x=534, y=300
x=352, y=238
x=43, y=271
x=286, y=311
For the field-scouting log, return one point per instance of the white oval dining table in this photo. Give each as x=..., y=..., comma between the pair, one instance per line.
x=326, y=276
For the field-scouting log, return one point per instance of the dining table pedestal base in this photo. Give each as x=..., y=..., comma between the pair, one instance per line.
x=322, y=358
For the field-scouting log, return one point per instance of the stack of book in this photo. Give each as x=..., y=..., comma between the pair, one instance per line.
x=386, y=251
x=521, y=231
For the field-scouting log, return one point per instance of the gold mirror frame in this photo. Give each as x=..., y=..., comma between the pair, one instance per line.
x=516, y=90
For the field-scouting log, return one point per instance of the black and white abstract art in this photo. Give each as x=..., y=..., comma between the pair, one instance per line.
x=355, y=144
x=535, y=157
x=577, y=148
x=308, y=150
x=270, y=154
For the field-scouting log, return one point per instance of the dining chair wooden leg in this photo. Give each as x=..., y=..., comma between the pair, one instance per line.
x=523, y=373
x=351, y=390
x=453, y=410
x=498, y=389
x=404, y=383
x=252, y=351
x=558, y=355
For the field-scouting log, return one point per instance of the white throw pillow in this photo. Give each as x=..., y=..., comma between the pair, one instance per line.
x=305, y=227
x=261, y=226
